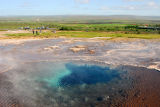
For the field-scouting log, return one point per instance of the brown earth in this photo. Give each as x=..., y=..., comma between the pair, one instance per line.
x=145, y=91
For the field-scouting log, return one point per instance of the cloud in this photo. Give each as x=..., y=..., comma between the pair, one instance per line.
x=25, y=4
x=132, y=8
x=82, y=1
x=153, y=4
x=104, y=8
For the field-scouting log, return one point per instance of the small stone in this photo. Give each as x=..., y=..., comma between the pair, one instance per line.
x=72, y=102
x=91, y=51
x=51, y=48
x=100, y=99
x=106, y=98
x=78, y=48
x=86, y=99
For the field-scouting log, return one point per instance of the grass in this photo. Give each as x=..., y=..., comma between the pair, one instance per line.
x=29, y=35
x=82, y=34
x=128, y=28
x=106, y=34
x=82, y=27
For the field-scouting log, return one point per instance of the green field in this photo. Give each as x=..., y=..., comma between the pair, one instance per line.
x=82, y=23
x=126, y=28
x=84, y=26
x=83, y=35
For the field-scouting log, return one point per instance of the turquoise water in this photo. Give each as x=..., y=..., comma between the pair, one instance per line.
x=51, y=76
x=54, y=81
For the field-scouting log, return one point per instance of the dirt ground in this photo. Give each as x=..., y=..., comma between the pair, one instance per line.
x=145, y=91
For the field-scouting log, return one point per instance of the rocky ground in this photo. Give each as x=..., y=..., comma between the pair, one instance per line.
x=143, y=53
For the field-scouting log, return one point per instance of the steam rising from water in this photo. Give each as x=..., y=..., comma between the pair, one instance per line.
x=31, y=82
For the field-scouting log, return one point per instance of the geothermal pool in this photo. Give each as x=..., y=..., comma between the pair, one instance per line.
x=63, y=84
x=52, y=73
x=70, y=74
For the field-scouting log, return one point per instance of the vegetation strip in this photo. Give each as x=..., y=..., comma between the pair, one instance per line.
x=82, y=34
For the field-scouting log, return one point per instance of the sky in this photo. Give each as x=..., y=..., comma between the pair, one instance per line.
x=80, y=7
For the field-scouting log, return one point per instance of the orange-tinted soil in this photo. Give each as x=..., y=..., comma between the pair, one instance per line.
x=145, y=91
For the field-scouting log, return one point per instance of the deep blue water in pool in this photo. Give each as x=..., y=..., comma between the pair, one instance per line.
x=69, y=74
x=87, y=74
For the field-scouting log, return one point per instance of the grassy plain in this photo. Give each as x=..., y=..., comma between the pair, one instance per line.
x=82, y=34
x=84, y=26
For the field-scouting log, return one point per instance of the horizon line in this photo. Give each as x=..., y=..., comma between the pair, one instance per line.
x=82, y=15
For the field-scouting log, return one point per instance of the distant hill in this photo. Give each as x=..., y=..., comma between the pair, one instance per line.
x=84, y=19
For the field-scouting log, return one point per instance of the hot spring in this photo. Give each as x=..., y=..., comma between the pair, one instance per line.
x=71, y=74
x=63, y=84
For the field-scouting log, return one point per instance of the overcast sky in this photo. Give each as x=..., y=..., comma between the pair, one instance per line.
x=80, y=7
